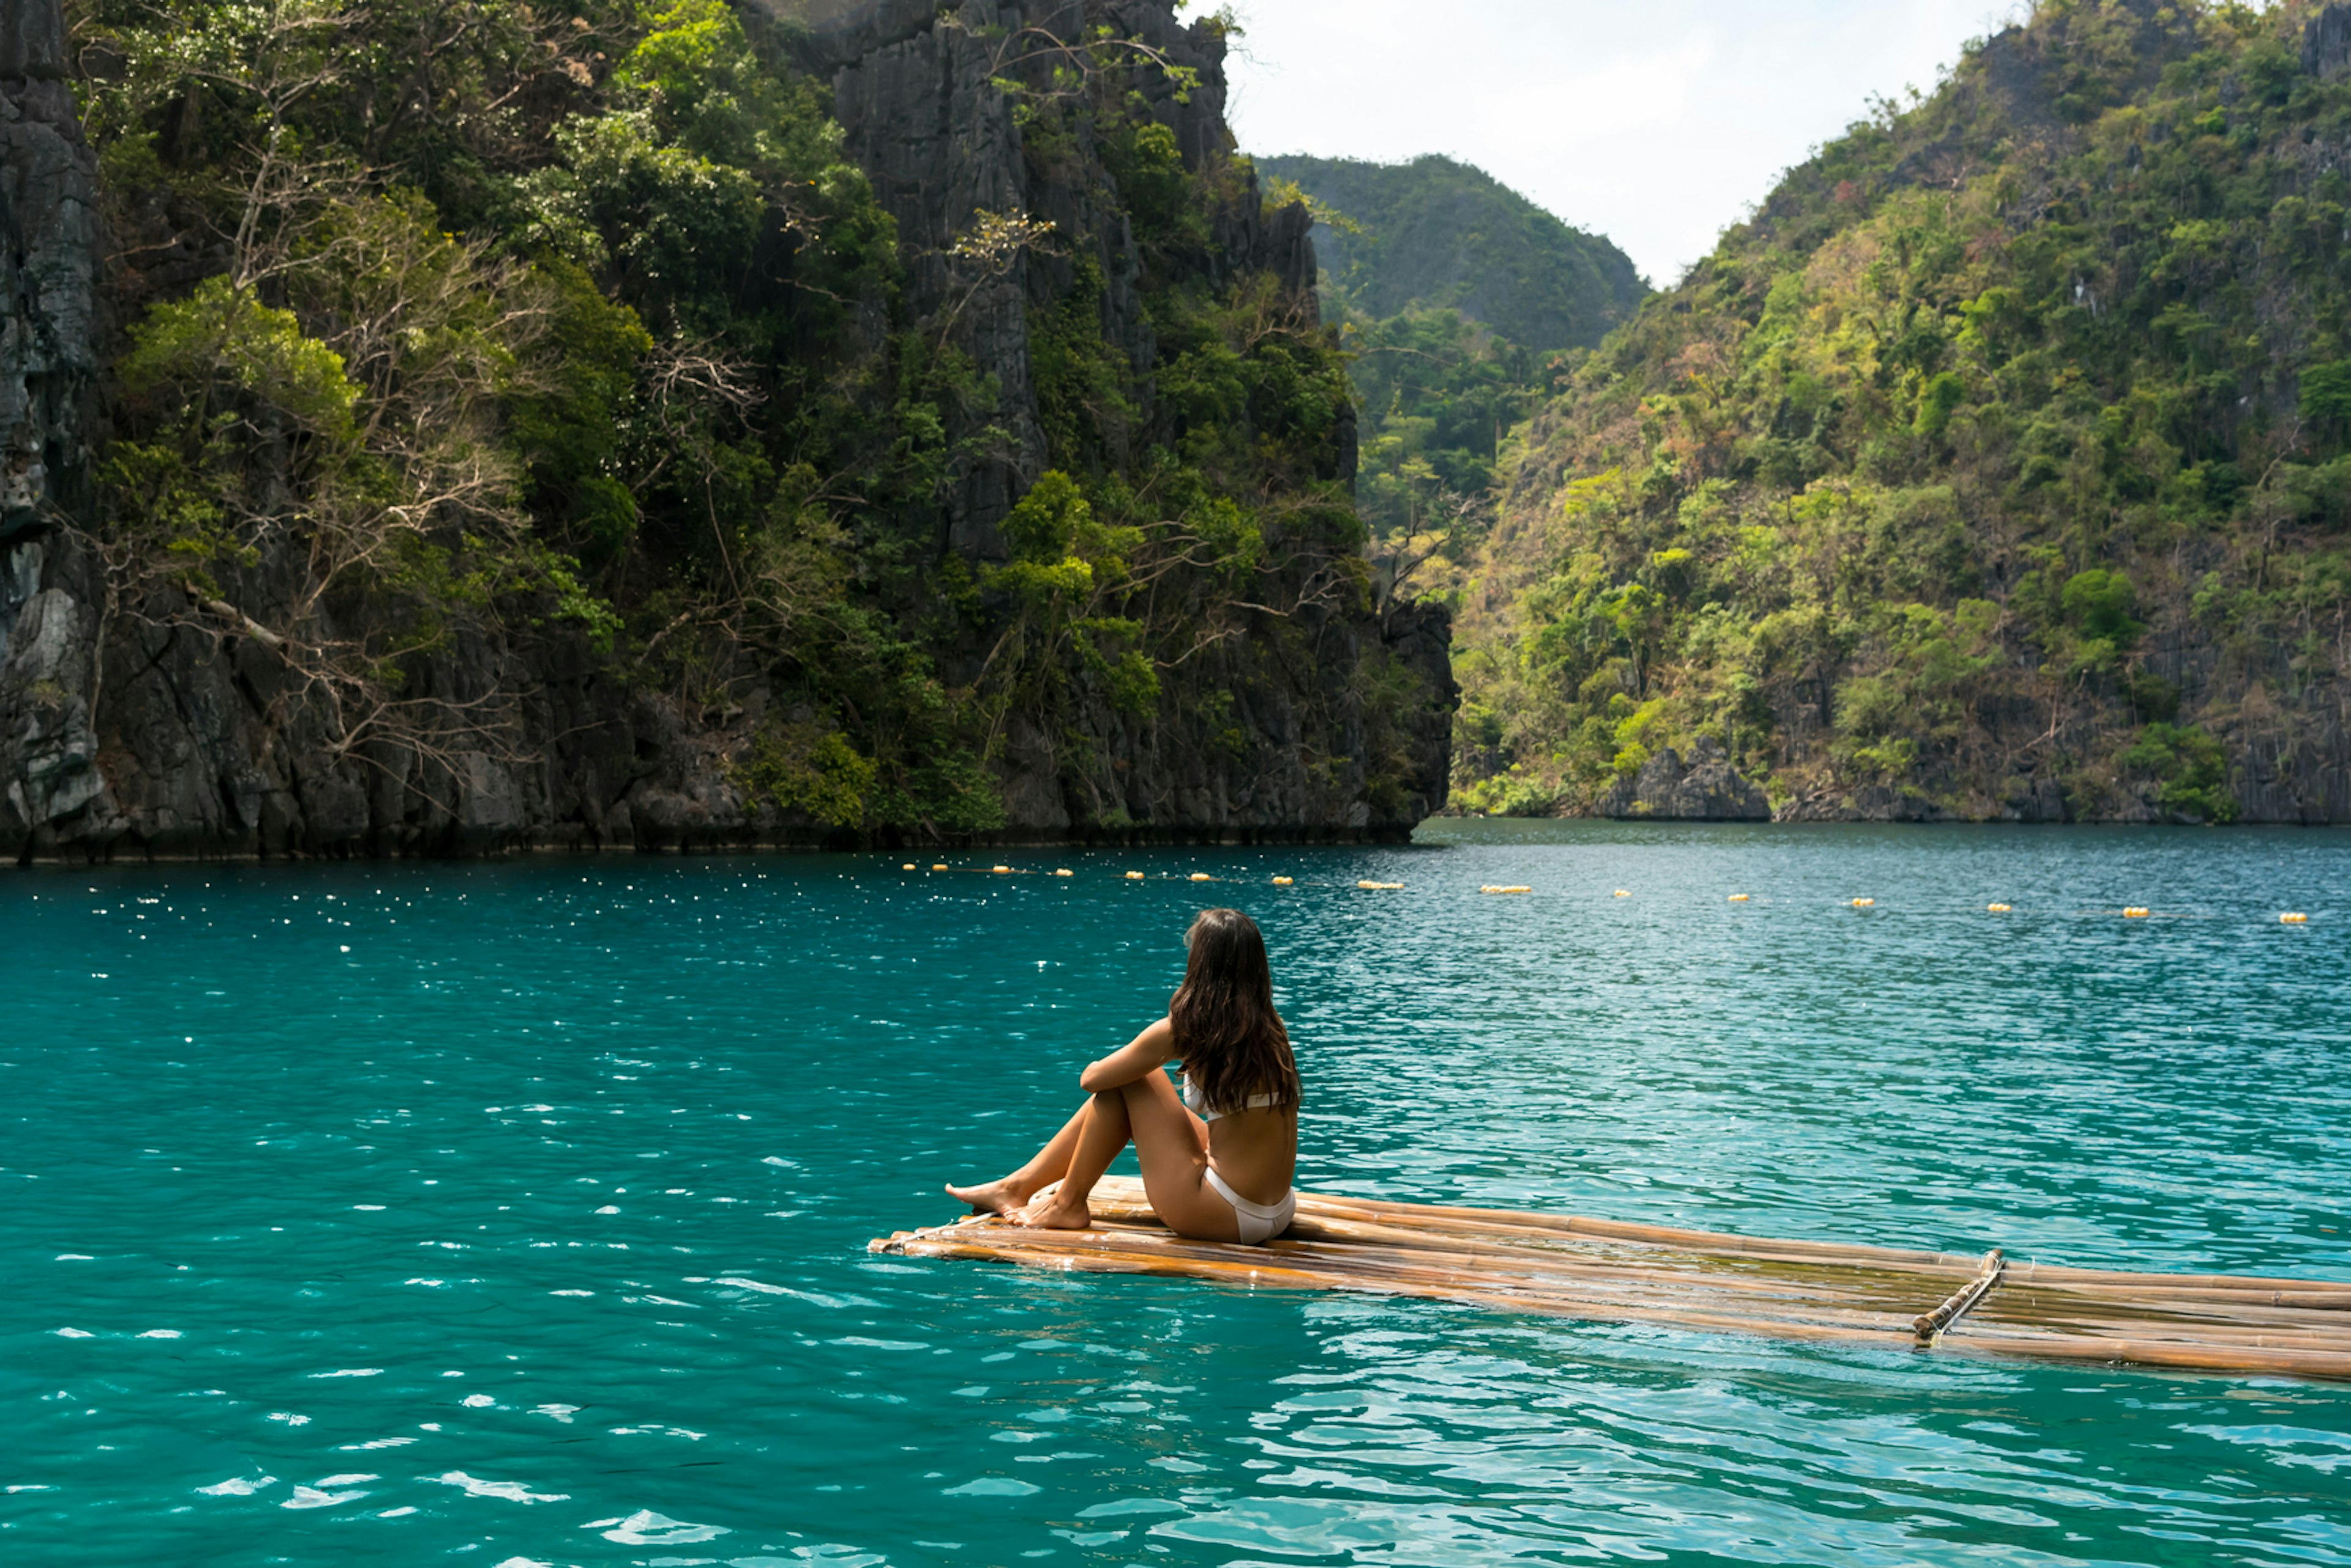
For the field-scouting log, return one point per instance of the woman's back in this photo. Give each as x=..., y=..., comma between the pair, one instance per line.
x=1256, y=1151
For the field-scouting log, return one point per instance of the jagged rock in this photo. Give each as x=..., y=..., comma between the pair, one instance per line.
x=45, y=693
x=2034, y=801
x=1710, y=790
x=916, y=87
x=48, y=260
x=1868, y=803
x=2326, y=42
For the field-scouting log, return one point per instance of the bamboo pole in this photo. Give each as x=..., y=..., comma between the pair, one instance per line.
x=1316, y=1206
x=2052, y=1273
x=2017, y=1308
x=1550, y=1270
x=2335, y=1364
x=1362, y=1263
x=2264, y=1357
x=1607, y=1270
x=1879, y=1331
x=1319, y=1216
x=1698, y=1267
x=2285, y=1359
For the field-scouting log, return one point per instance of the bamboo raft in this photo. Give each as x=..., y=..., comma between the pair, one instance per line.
x=1607, y=1270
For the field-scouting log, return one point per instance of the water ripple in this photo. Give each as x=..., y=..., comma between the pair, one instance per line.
x=548, y=1199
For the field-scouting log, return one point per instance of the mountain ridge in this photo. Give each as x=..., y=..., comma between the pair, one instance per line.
x=1994, y=469
x=1432, y=232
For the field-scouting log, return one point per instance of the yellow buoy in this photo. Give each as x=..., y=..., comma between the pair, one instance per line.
x=1497, y=887
x=908, y=866
x=1864, y=903
x=1202, y=876
x=1001, y=869
x=1381, y=886
x=1738, y=898
x=940, y=867
x=1065, y=871
x=1997, y=908
x=1135, y=876
x=2136, y=912
x=1281, y=881
x=1624, y=892
x=2294, y=919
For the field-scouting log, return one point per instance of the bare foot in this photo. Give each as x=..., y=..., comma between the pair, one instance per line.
x=989, y=1198
x=1052, y=1212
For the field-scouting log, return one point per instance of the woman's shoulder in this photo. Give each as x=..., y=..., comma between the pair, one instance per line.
x=1160, y=1030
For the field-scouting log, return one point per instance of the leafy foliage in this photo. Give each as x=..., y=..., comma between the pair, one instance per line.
x=1463, y=302
x=589, y=320
x=1436, y=235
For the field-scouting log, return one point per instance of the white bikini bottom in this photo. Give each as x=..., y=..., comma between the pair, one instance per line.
x=1260, y=1221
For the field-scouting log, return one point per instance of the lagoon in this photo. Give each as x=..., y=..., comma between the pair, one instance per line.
x=515, y=1212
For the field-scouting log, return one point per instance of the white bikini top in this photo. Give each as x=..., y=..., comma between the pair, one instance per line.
x=1199, y=1107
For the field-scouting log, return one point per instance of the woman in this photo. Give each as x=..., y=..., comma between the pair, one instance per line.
x=1216, y=1163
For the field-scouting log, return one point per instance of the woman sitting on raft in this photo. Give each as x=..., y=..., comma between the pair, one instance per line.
x=1217, y=1163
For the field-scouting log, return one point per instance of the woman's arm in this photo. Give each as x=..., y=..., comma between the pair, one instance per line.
x=1147, y=1054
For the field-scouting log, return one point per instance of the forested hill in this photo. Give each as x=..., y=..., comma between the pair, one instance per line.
x=1436, y=234
x=1462, y=302
x=1999, y=466
x=432, y=425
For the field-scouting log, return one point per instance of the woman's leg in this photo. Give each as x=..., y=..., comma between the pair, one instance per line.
x=1172, y=1145
x=1007, y=1194
x=1104, y=1133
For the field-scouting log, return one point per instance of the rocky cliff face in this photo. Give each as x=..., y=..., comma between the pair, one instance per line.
x=915, y=88
x=169, y=727
x=1709, y=790
x=915, y=85
x=48, y=334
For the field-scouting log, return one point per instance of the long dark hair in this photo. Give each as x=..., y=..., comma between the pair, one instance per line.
x=1232, y=1041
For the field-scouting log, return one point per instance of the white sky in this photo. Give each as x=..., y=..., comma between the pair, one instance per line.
x=1658, y=123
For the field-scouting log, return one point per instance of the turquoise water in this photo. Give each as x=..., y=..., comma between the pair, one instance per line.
x=516, y=1213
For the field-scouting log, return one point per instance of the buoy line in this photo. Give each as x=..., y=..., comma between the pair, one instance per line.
x=2127, y=912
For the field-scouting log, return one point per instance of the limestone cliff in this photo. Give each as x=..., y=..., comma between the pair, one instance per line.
x=170, y=723
x=49, y=256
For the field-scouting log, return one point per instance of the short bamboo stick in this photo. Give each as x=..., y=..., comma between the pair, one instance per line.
x=1928, y=1325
